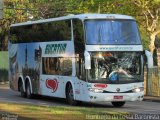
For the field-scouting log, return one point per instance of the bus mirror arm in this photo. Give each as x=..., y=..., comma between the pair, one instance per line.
x=87, y=60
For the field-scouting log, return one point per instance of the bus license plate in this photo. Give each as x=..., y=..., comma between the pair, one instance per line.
x=118, y=97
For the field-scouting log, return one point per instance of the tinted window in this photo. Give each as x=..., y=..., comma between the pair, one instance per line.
x=52, y=31
x=57, y=66
x=80, y=68
x=78, y=36
x=79, y=44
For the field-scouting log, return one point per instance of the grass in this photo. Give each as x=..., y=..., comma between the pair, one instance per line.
x=4, y=64
x=33, y=112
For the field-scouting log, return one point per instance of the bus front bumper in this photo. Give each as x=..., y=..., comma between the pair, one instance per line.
x=97, y=97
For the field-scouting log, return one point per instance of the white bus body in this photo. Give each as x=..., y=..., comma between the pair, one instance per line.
x=46, y=62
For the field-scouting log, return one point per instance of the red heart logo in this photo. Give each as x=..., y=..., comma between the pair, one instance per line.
x=52, y=84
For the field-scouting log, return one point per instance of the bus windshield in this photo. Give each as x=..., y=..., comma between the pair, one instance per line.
x=116, y=67
x=112, y=32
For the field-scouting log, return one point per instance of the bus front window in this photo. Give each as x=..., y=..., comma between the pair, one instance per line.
x=116, y=67
x=112, y=32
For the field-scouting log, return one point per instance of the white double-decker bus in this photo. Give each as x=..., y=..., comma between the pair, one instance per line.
x=87, y=57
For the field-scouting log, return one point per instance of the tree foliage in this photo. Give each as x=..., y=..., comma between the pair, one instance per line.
x=146, y=13
x=151, y=11
x=14, y=11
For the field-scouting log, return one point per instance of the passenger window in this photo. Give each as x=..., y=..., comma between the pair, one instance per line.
x=57, y=66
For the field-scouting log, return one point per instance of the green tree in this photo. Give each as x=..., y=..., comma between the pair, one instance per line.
x=79, y=6
x=151, y=11
x=14, y=11
x=145, y=11
x=50, y=8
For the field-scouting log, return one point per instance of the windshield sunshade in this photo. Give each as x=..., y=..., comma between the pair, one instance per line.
x=112, y=32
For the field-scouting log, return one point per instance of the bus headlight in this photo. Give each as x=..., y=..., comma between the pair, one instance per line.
x=136, y=90
x=95, y=90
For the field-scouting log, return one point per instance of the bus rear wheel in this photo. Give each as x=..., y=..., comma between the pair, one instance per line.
x=118, y=104
x=23, y=94
x=28, y=91
x=70, y=95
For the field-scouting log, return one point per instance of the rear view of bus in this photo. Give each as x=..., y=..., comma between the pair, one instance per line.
x=113, y=59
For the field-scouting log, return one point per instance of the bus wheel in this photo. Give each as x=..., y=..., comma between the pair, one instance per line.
x=118, y=104
x=28, y=91
x=23, y=94
x=70, y=95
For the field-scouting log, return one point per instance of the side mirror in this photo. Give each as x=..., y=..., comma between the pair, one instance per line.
x=87, y=60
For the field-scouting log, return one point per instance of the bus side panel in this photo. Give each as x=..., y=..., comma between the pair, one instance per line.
x=34, y=60
x=13, y=66
x=25, y=60
x=53, y=85
x=57, y=68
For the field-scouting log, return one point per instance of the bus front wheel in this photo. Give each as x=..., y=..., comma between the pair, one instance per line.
x=118, y=104
x=70, y=95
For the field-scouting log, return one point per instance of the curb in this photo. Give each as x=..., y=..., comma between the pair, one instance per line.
x=4, y=83
x=151, y=99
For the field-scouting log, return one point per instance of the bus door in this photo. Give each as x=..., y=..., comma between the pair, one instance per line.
x=81, y=76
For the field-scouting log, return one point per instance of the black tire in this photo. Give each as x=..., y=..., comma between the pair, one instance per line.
x=28, y=91
x=70, y=95
x=118, y=104
x=23, y=94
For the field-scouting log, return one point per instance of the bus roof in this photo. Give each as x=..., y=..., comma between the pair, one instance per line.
x=80, y=16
